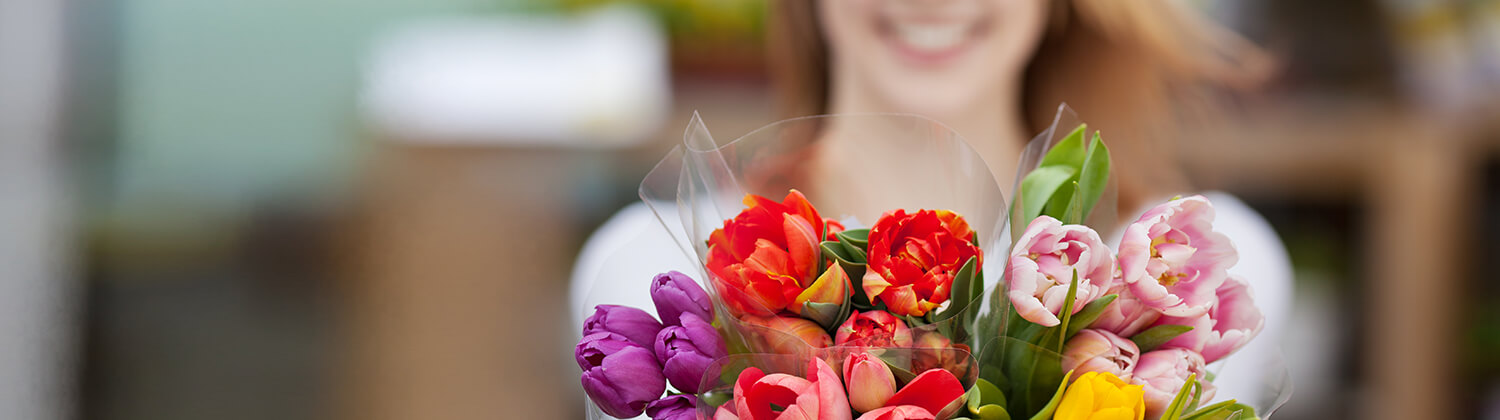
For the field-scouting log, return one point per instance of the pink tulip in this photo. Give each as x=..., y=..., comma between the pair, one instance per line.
x=1173, y=259
x=1042, y=266
x=900, y=412
x=1226, y=326
x=1163, y=372
x=758, y=396
x=726, y=412
x=1100, y=351
x=873, y=329
x=1126, y=316
x=870, y=381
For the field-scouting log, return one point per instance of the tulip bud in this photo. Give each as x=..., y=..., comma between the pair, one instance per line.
x=1100, y=351
x=686, y=351
x=633, y=323
x=822, y=301
x=870, y=381
x=619, y=376
x=1164, y=373
x=788, y=335
x=676, y=407
x=935, y=351
x=675, y=294
x=873, y=329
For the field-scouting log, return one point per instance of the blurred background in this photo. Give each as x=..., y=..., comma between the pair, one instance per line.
x=286, y=209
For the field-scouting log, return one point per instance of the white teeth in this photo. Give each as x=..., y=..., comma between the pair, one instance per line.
x=931, y=37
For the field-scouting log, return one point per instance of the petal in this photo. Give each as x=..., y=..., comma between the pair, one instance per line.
x=932, y=390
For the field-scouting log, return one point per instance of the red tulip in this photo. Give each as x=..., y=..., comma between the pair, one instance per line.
x=765, y=256
x=873, y=329
x=758, y=396
x=933, y=391
x=913, y=258
x=901, y=412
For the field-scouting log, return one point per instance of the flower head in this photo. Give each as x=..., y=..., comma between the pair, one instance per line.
x=758, y=396
x=675, y=407
x=873, y=328
x=635, y=324
x=913, y=258
x=1100, y=351
x=1173, y=259
x=870, y=382
x=1126, y=316
x=1164, y=372
x=786, y=335
x=1042, y=265
x=686, y=351
x=675, y=294
x=618, y=375
x=1101, y=396
x=1227, y=326
x=765, y=256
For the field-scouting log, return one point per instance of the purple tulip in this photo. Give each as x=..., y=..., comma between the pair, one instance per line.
x=633, y=323
x=619, y=376
x=675, y=294
x=686, y=351
x=675, y=407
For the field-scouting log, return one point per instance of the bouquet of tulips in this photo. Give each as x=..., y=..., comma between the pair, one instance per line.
x=908, y=305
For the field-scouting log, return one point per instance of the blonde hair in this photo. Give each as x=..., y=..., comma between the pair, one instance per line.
x=1125, y=66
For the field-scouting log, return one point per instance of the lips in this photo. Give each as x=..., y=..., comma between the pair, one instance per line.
x=930, y=41
x=931, y=37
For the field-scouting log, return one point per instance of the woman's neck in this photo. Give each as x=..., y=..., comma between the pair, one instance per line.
x=993, y=125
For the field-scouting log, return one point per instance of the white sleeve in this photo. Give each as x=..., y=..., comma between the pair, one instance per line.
x=618, y=261
x=1265, y=265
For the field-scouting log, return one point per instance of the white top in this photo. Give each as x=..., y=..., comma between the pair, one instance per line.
x=634, y=247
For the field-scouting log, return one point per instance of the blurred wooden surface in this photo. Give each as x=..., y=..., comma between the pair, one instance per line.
x=1415, y=176
x=458, y=311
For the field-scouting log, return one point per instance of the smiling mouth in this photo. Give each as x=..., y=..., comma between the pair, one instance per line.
x=930, y=42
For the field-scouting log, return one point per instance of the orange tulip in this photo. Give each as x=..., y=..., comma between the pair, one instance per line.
x=766, y=256
x=914, y=257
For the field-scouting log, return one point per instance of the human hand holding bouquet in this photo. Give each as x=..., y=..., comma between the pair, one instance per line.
x=808, y=317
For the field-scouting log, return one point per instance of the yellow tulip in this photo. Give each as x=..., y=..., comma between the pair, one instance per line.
x=1101, y=396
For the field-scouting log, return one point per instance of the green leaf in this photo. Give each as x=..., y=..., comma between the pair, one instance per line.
x=857, y=237
x=1094, y=176
x=986, y=401
x=1056, y=400
x=835, y=250
x=1038, y=188
x=1067, y=310
x=1174, y=410
x=1068, y=151
x=825, y=314
x=857, y=253
x=1060, y=206
x=1224, y=410
x=988, y=394
x=958, y=296
x=1090, y=313
x=1154, y=337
